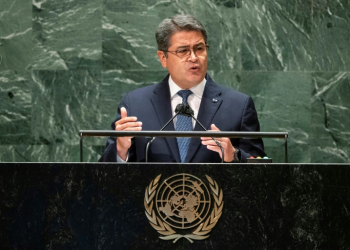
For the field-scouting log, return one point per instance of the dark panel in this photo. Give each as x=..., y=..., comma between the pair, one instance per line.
x=101, y=206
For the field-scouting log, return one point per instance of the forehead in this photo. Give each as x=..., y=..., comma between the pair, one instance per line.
x=186, y=38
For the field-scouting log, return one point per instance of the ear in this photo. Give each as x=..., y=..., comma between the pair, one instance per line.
x=162, y=58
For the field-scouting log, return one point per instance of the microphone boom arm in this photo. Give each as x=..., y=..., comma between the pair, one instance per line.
x=189, y=112
x=178, y=111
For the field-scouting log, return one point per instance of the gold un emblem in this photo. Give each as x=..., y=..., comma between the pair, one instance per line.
x=184, y=207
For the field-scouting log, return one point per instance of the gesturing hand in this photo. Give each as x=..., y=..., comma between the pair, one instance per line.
x=126, y=123
x=225, y=142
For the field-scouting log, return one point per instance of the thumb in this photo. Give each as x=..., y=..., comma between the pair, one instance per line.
x=213, y=127
x=123, y=112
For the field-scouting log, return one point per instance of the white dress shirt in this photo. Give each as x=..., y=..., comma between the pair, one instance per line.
x=194, y=100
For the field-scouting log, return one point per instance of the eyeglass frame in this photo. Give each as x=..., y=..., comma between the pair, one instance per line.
x=174, y=52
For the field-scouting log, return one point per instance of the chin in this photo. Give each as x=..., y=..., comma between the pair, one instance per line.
x=196, y=80
x=193, y=83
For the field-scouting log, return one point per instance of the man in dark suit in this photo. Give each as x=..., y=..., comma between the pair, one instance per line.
x=182, y=49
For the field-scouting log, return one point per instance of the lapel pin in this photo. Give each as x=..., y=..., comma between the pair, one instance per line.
x=215, y=100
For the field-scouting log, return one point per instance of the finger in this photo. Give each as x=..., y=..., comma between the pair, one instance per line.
x=213, y=143
x=133, y=129
x=123, y=112
x=206, y=138
x=215, y=149
x=219, y=139
x=222, y=139
x=208, y=142
x=214, y=128
x=125, y=120
x=126, y=125
x=129, y=129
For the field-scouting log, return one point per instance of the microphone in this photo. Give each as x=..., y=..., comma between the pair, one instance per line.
x=188, y=111
x=180, y=109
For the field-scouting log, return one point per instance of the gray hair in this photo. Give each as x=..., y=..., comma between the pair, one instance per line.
x=170, y=26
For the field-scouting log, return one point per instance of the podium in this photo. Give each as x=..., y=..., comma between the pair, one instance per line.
x=192, y=134
x=102, y=206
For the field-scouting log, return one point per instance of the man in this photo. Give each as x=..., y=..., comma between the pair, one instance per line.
x=183, y=50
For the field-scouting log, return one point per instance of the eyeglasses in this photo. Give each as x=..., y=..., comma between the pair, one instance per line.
x=185, y=52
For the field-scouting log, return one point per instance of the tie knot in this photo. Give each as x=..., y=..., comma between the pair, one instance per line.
x=184, y=94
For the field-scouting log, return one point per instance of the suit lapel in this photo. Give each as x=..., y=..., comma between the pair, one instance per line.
x=162, y=105
x=210, y=103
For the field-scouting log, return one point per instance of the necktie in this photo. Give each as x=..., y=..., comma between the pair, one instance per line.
x=183, y=123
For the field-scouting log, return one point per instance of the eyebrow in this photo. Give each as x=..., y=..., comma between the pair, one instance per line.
x=187, y=46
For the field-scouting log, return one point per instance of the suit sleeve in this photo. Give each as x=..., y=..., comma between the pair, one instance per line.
x=110, y=153
x=250, y=122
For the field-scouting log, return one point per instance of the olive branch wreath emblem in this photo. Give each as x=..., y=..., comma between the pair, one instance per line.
x=201, y=232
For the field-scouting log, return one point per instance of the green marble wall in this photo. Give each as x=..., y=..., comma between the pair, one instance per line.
x=66, y=64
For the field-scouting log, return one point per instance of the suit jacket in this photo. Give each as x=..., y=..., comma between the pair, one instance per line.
x=228, y=109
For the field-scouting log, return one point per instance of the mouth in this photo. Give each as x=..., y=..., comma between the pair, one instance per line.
x=194, y=68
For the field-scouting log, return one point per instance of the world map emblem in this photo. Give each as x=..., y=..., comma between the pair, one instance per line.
x=182, y=206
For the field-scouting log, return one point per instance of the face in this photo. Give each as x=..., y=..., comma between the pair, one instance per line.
x=190, y=70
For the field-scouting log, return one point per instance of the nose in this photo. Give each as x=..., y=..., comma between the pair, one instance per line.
x=193, y=57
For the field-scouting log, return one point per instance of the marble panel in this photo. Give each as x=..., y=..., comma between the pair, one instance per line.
x=129, y=45
x=92, y=151
x=330, y=105
x=16, y=153
x=115, y=83
x=67, y=34
x=15, y=34
x=61, y=152
x=63, y=103
x=41, y=111
x=58, y=152
x=331, y=35
x=227, y=78
x=282, y=100
x=276, y=35
x=15, y=108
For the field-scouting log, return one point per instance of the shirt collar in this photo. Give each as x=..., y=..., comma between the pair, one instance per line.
x=196, y=90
